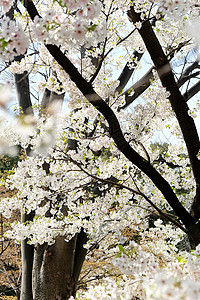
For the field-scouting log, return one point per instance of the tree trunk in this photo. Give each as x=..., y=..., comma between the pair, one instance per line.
x=79, y=258
x=53, y=270
x=27, y=252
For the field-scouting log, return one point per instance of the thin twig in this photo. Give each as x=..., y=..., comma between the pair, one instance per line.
x=122, y=186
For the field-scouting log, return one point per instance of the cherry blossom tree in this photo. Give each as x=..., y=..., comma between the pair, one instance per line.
x=91, y=171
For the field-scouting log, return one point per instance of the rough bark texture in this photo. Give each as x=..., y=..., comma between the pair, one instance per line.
x=79, y=258
x=27, y=264
x=53, y=270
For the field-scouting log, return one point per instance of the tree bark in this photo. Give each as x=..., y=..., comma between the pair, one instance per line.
x=80, y=253
x=27, y=252
x=53, y=270
x=128, y=71
x=23, y=93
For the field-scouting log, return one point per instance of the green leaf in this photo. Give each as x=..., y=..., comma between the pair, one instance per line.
x=181, y=259
x=92, y=27
x=121, y=248
x=3, y=43
x=118, y=255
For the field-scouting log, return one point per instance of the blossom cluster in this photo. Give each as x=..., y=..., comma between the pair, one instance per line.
x=78, y=179
x=13, y=40
x=79, y=28
x=6, y=4
x=147, y=276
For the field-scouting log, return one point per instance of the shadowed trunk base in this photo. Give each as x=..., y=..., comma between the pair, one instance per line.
x=53, y=270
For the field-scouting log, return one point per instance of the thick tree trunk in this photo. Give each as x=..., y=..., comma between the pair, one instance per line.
x=23, y=93
x=194, y=235
x=79, y=258
x=27, y=264
x=53, y=270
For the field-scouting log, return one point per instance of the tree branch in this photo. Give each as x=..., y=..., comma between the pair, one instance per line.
x=128, y=71
x=122, y=186
x=139, y=87
x=143, y=83
x=23, y=89
x=184, y=76
x=114, y=126
x=192, y=91
x=177, y=101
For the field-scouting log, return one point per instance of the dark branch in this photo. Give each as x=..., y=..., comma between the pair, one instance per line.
x=177, y=101
x=128, y=71
x=115, y=130
x=138, y=88
x=143, y=83
x=185, y=76
x=192, y=91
